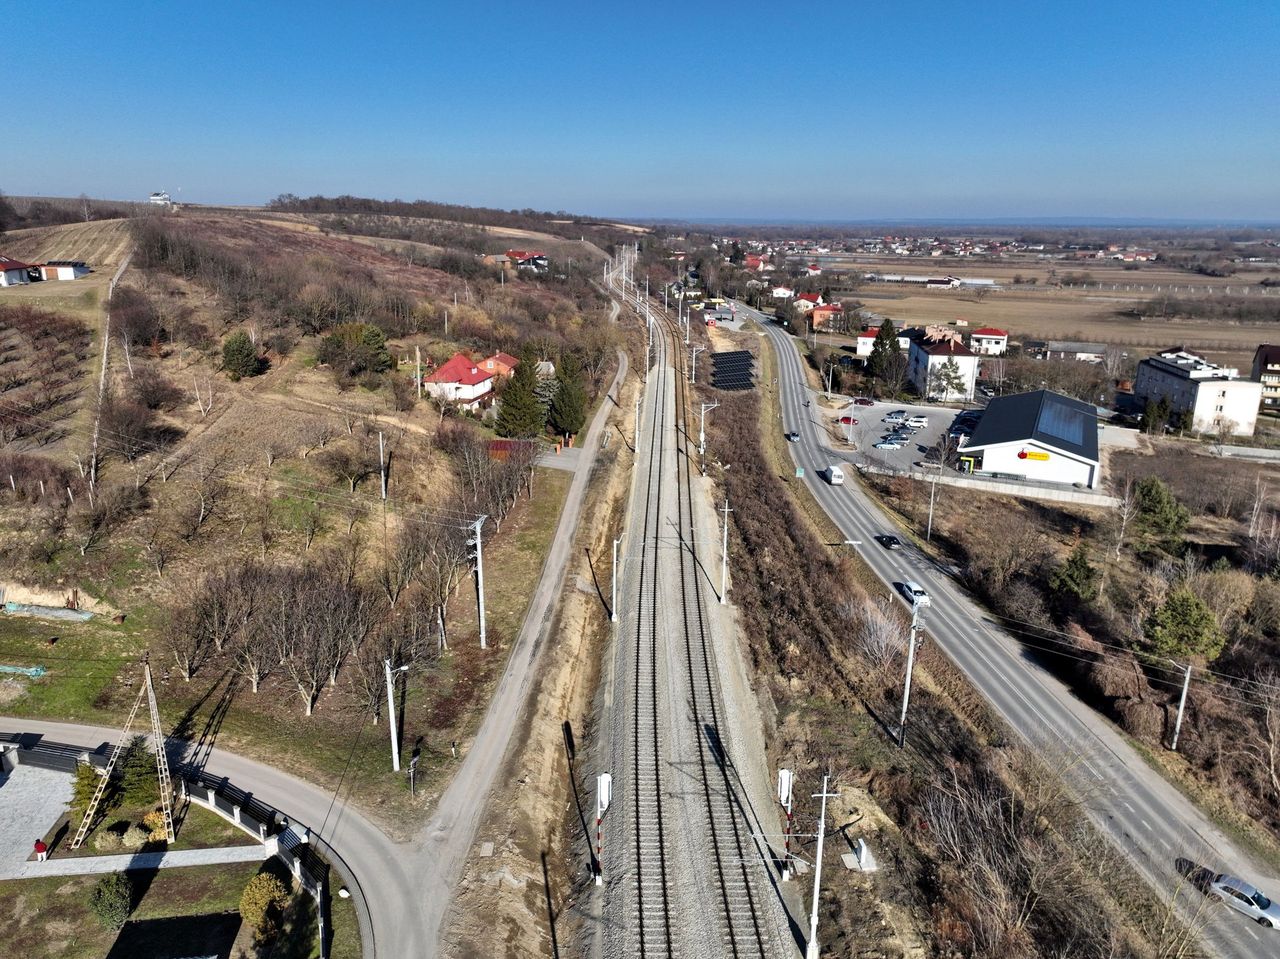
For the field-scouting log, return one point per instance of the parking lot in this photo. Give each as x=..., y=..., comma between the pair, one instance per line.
x=870, y=428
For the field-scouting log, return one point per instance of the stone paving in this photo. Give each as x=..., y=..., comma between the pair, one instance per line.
x=31, y=800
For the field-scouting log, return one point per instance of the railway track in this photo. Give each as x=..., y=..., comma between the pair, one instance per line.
x=653, y=908
x=693, y=889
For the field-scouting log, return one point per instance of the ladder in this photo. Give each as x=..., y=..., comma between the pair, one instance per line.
x=162, y=761
x=105, y=779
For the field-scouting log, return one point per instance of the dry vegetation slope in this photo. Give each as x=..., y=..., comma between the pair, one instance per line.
x=211, y=488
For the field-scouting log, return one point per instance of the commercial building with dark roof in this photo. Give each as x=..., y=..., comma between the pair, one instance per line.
x=1041, y=436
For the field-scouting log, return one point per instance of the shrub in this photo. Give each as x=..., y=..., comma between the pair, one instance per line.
x=263, y=893
x=153, y=822
x=107, y=840
x=135, y=837
x=112, y=899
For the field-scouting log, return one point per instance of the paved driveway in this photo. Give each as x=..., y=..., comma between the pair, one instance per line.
x=31, y=800
x=870, y=428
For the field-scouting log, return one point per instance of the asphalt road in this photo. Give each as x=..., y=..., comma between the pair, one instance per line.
x=1133, y=806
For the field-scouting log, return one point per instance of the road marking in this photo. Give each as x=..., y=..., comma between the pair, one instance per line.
x=1145, y=825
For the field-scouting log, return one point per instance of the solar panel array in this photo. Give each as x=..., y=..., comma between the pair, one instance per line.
x=1061, y=421
x=733, y=370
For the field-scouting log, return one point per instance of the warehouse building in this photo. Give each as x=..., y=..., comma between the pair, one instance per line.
x=1040, y=436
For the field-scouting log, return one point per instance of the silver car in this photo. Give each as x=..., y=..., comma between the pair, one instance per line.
x=1242, y=897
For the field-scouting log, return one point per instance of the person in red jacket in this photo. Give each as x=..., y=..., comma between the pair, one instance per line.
x=42, y=851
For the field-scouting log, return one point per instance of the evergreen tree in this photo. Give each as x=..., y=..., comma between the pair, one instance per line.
x=883, y=349
x=1076, y=578
x=240, y=356
x=946, y=380
x=1184, y=626
x=569, y=408
x=138, y=777
x=1159, y=511
x=521, y=415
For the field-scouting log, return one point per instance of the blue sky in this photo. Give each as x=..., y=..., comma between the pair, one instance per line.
x=705, y=109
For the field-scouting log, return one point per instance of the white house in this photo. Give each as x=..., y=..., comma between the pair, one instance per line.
x=64, y=270
x=930, y=359
x=805, y=302
x=1065, y=350
x=989, y=341
x=1213, y=397
x=867, y=340
x=13, y=272
x=783, y=293
x=461, y=380
x=1041, y=436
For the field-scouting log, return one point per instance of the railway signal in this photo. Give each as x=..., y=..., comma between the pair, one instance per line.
x=604, y=793
x=786, y=779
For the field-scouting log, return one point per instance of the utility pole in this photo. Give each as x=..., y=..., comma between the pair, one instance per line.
x=933, y=490
x=1182, y=703
x=417, y=351
x=785, y=781
x=391, y=713
x=812, y=951
x=638, y=398
x=382, y=465
x=912, y=642
x=613, y=590
x=724, y=553
x=476, y=527
x=693, y=362
x=702, y=427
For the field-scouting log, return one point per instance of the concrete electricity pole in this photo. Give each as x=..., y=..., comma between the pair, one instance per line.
x=702, y=427
x=382, y=465
x=391, y=713
x=476, y=527
x=933, y=490
x=604, y=794
x=812, y=951
x=912, y=642
x=613, y=599
x=1182, y=704
x=724, y=552
x=693, y=362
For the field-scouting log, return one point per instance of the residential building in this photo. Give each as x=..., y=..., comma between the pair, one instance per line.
x=783, y=293
x=160, y=199
x=63, y=270
x=532, y=260
x=989, y=341
x=1210, y=396
x=1041, y=436
x=1266, y=370
x=867, y=340
x=813, y=270
x=13, y=272
x=460, y=380
x=804, y=302
x=821, y=316
x=928, y=360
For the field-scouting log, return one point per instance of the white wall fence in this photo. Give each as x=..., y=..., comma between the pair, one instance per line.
x=1008, y=487
x=288, y=846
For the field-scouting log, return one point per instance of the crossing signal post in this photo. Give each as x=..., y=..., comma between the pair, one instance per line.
x=785, y=781
x=604, y=793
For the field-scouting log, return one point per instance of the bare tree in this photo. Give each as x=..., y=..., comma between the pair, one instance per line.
x=187, y=640
x=1126, y=511
x=351, y=465
x=882, y=636
x=316, y=436
x=205, y=393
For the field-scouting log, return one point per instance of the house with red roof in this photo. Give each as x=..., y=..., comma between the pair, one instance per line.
x=533, y=260
x=460, y=380
x=989, y=341
x=866, y=341
x=813, y=270
x=804, y=302
x=13, y=272
x=500, y=364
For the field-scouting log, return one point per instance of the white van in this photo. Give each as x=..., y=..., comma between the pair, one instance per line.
x=835, y=475
x=917, y=422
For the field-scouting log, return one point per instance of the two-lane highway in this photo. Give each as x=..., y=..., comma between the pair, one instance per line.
x=1142, y=814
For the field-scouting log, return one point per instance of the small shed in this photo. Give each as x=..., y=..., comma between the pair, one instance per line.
x=63, y=270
